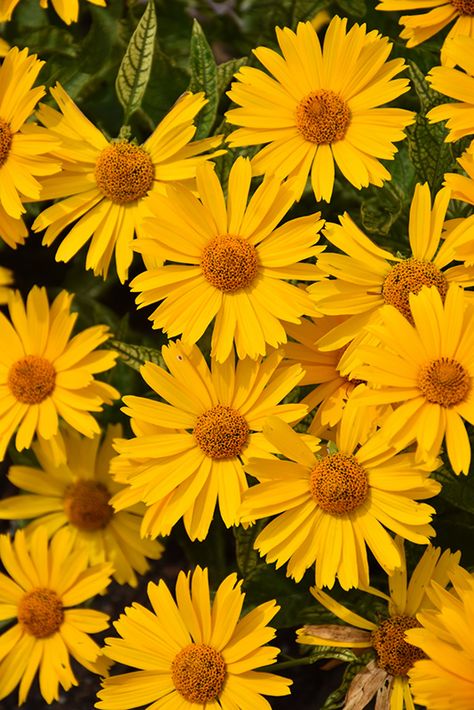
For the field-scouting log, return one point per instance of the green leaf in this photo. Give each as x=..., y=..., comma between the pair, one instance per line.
x=306, y=9
x=458, y=490
x=356, y=8
x=203, y=70
x=226, y=71
x=136, y=355
x=336, y=699
x=134, y=72
x=247, y=557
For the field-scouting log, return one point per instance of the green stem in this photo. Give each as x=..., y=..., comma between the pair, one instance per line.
x=303, y=661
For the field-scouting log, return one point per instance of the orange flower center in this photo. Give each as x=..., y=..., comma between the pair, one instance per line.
x=124, y=172
x=394, y=654
x=221, y=432
x=86, y=505
x=339, y=484
x=464, y=7
x=41, y=612
x=444, y=381
x=229, y=263
x=198, y=673
x=322, y=117
x=31, y=379
x=5, y=141
x=408, y=277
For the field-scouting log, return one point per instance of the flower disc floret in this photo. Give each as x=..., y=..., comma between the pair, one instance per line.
x=5, y=141
x=124, y=172
x=322, y=117
x=410, y=276
x=86, y=504
x=221, y=432
x=444, y=381
x=41, y=612
x=394, y=654
x=229, y=263
x=339, y=484
x=464, y=7
x=198, y=672
x=32, y=379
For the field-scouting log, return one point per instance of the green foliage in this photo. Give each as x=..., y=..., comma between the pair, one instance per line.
x=203, y=71
x=136, y=355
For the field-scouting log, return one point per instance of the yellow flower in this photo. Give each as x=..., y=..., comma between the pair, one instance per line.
x=44, y=374
x=422, y=26
x=76, y=494
x=68, y=10
x=394, y=656
x=23, y=148
x=191, y=653
x=188, y=453
x=446, y=679
x=321, y=107
x=41, y=585
x=330, y=509
x=364, y=277
x=428, y=369
x=457, y=85
x=6, y=280
x=229, y=262
x=107, y=184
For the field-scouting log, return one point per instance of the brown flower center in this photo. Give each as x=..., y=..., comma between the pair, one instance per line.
x=124, y=172
x=5, y=141
x=394, y=654
x=86, y=504
x=229, y=263
x=31, y=379
x=444, y=381
x=221, y=432
x=41, y=612
x=322, y=117
x=464, y=7
x=339, y=484
x=198, y=673
x=410, y=276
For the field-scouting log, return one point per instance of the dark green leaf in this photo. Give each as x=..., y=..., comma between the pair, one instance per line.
x=136, y=355
x=356, y=8
x=226, y=71
x=336, y=699
x=203, y=70
x=306, y=9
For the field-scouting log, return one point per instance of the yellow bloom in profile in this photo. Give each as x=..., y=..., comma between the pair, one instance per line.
x=76, y=494
x=191, y=653
x=40, y=590
x=44, y=374
x=427, y=370
x=107, y=184
x=419, y=27
x=6, y=280
x=188, y=454
x=230, y=262
x=23, y=149
x=321, y=106
x=68, y=10
x=446, y=678
x=458, y=85
x=330, y=509
x=364, y=277
x=386, y=675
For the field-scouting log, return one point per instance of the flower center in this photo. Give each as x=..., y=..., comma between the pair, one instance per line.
x=31, y=379
x=339, y=484
x=464, y=7
x=86, y=505
x=394, y=654
x=5, y=141
x=124, y=172
x=221, y=432
x=444, y=381
x=229, y=263
x=322, y=117
x=408, y=277
x=41, y=612
x=198, y=673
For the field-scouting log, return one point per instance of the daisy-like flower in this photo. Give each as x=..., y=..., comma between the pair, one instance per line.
x=321, y=107
x=188, y=453
x=446, y=678
x=419, y=27
x=40, y=591
x=191, y=653
x=427, y=370
x=365, y=277
x=386, y=675
x=230, y=262
x=68, y=10
x=44, y=374
x=107, y=183
x=23, y=148
x=462, y=186
x=76, y=494
x=330, y=509
x=6, y=280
